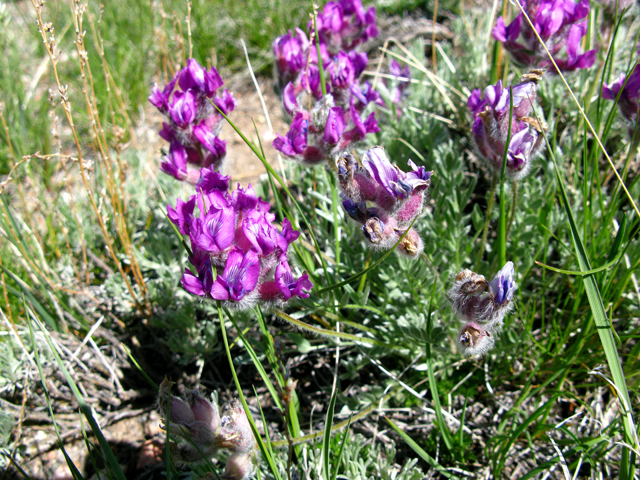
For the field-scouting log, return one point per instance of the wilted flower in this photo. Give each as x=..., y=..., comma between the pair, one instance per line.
x=480, y=304
x=629, y=90
x=558, y=22
x=491, y=127
x=193, y=122
x=344, y=24
x=398, y=196
x=237, y=251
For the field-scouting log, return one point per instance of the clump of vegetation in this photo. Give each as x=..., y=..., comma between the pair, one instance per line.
x=435, y=275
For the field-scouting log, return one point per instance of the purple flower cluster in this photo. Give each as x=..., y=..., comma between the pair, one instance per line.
x=629, y=91
x=491, y=127
x=344, y=24
x=332, y=123
x=201, y=431
x=193, y=122
x=398, y=198
x=238, y=254
x=322, y=133
x=481, y=306
x=561, y=25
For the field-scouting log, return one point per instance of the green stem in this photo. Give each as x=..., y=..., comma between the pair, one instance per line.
x=485, y=230
x=514, y=205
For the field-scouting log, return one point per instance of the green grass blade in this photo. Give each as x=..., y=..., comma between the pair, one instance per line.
x=371, y=267
x=272, y=172
x=140, y=369
x=326, y=440
x=30, y=298
x=258, y=364
x=345, y=437
x=263, y=448
x=598, y=310
x=421, y=453
x=580, y=273
x=331, y=333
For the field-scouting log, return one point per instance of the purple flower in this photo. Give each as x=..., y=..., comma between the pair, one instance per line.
x=360, y=128
x=341, y=71
x=226, y=102
x=491, y=124
x=475, y=300
x=503, y=286
x=217, y=147
x=182, y=215
x=194, y=77
x=193, y=121
x=160, y=99
x=335, y=126
x=211, y=180
x=287, y=285
x=296, y=140
x=398, y=196
x=215, y=231
x=560, y=26
x=629, y=91
x=344, y=24
x=175, y=163
x=375, y=161
x=365, y=94
x=240, y=276
x=183, y=110
x=291, y=54
x=258, y=233
x=473, y=339
x=404, y=80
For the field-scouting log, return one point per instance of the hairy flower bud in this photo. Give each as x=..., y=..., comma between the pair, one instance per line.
x=195, y=421
x=492, y=122
x=240, y=466
x=473, y=339
x=476, y=300
x=236, y=434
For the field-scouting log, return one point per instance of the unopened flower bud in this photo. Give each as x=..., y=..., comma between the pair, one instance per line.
x=412, y=244
x=236, y=433
x=239, y=467
x=476, y=300
x=475, y=340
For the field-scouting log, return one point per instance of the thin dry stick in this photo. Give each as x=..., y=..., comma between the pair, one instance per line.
x=433, y=37
x=586, y=119
x=100, y=137
x=62, y=89
x=264, y=105
x=189, y=28
x=12, y=163
x=97, y=37
x=379, y=67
